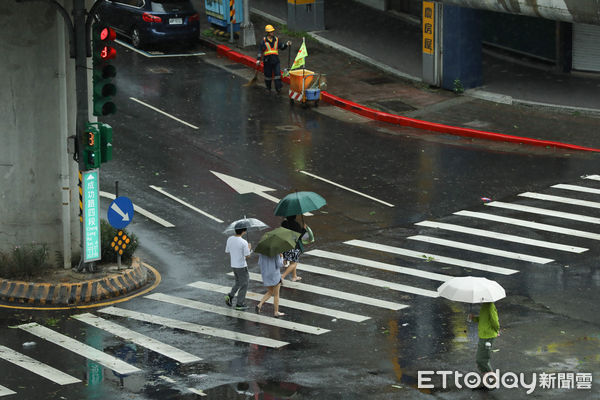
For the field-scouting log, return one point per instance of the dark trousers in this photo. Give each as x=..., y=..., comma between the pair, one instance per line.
x=273, y=73
x=483, y=355
x=242, y=278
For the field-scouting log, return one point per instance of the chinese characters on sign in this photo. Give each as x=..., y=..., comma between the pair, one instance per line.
x=428, y=27
x=91, y=217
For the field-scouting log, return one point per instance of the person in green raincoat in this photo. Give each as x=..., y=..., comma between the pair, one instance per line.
x=488, y=327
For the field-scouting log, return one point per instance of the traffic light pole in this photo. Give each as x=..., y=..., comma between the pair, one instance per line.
x=81, y=84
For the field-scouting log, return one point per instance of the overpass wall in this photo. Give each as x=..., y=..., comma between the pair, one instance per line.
x=37, y=105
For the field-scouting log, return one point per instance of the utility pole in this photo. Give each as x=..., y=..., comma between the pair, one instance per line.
x=248, y=38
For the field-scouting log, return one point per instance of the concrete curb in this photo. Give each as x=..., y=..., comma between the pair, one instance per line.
x=400, y=120
x=74, y=293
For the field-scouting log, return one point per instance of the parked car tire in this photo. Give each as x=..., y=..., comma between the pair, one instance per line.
x=136, y=39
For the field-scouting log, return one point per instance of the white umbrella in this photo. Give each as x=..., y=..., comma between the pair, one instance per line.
x=250, y=224
x=469, y=289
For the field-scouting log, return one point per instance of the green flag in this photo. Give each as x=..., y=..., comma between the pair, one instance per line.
x=302, y=54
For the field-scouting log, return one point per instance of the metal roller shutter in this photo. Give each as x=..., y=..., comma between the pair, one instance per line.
x=586, y=47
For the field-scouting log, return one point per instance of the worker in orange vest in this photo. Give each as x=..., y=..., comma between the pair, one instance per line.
x=269, y=53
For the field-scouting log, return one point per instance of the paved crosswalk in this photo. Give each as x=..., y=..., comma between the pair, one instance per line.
x=498, y=240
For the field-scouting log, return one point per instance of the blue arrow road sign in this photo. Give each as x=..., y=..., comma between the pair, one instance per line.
x=120, y=212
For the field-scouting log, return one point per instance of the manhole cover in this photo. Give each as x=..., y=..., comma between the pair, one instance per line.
x=287, y=128
x=391, y=106
x=378, y=81
x=160, y=70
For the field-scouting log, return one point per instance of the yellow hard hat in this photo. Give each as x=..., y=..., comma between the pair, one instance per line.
x=269, y=28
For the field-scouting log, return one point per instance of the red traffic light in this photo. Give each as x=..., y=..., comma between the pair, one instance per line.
x=107, y=53
x=108, y=34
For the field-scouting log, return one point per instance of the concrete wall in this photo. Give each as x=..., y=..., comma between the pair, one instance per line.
x=378, y=4
x=37, y=105
x=581, y=11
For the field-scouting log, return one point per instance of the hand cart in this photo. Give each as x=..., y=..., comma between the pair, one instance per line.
x=305, y=86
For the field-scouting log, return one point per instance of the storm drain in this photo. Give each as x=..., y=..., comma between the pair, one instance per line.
x=391, y=106
x=235, y=66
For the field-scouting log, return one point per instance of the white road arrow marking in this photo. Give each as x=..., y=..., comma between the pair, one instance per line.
x=244, y=187
x=116, y=209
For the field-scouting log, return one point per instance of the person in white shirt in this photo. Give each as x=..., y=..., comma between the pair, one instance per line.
x=238, y=249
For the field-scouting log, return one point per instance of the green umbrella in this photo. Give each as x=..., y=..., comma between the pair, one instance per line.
x=277, y=241
x=299, y=203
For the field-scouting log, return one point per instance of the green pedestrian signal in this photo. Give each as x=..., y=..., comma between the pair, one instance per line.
x=91, y=147
x=103, y=71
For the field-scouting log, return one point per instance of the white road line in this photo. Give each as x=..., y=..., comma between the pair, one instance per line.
x=4, y=391
x=366, y=280
x=164, y=113
x=82, y=349
x=577, y=188
x=481, y=249
x=167, y=379
x=432, y=257
x=334, y=293
x=592, y=177
x=141, y=340
x=41, y=369
x=160, y=190
x=150, y=55
x=142, y=211
x=502, y=236
x=559, y=199
x=228, y=312
x=544, y=211
x=379, y=265
x=529, y=224
x=346, y=188
x=285, y=302
x=190, y=327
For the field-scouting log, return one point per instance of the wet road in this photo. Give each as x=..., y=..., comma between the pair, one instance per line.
x=373, y=349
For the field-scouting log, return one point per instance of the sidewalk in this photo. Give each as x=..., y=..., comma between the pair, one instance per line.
x=372, y=60
x=395, y=42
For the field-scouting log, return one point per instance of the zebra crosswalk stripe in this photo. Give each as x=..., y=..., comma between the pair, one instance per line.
x=197, y=305
x=529, y=224
x=82, y=349
x=4, y=391
x=285, y=302
x=36, y=367
x=365, y=279
x=502, y=236
x=191, y=327
x=481, y=249
x=432, y=257
x=334, y=293
x=560, y=199
x=544, y=211
x=593, y=177
x=576, y=188
x=137, y=338
x=383, y=266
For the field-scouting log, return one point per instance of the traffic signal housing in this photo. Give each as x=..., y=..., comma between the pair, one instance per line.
x=91, y=147
x=106, y=137
x=103, y=71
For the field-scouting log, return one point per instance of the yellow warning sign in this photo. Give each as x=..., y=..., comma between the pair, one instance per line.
x=428, y=26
